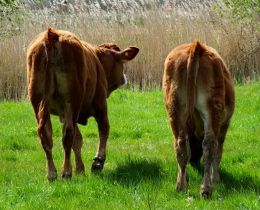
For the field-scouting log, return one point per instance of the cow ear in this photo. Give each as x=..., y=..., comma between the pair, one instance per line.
x=128, y=54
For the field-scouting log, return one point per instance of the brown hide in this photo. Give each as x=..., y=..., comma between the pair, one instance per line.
x=72, y=79
x=199, y=99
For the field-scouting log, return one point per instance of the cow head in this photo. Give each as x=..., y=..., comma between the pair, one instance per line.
x=112, y=59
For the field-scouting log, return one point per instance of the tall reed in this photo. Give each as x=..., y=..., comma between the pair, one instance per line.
x=156, y=30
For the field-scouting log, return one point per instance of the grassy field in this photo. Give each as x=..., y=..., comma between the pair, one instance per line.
x=141, y=169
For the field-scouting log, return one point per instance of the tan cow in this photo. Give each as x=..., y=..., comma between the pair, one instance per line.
x=73, y=79
x=199, y=99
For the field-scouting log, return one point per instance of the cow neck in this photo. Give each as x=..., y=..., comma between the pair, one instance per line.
x=100, y=52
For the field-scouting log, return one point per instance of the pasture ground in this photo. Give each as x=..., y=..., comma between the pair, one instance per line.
x=141, y=169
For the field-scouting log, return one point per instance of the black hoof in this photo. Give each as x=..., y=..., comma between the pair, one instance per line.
x=52, y=179
x=98, y=164
x=206, y=194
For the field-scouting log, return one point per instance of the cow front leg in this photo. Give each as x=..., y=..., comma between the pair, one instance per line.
x=182, y=149
x=103, y=131
x=77, y=145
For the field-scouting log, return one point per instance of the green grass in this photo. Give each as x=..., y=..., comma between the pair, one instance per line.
x=140, y=171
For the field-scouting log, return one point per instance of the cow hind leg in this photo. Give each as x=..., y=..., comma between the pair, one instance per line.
x=181, y=145
x=182, y=149
x=77, y=145
x=215, y=177
x=67, y=140
x=209, y=147
x=45, y=134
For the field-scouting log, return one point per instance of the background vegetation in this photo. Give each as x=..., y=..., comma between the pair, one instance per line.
x=141, y=168
x=156, y=27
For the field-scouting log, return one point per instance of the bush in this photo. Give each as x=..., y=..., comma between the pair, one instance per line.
x=11, y=15
x=244, y=9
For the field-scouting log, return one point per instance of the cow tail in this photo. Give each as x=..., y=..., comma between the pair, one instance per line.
x=195, y=53
x=43, y=111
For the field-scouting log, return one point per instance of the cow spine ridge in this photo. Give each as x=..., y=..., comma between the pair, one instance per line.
x=195, y=52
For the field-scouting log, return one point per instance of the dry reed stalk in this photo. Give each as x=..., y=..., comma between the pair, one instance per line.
x=155, y=31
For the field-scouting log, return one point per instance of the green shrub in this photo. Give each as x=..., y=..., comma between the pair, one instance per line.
x=11, y=15
x=242, y=9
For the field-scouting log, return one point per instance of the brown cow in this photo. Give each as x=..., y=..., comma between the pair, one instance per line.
x=73, y=79
x=199, y=99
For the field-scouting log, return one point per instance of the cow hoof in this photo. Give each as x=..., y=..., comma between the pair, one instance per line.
x=206, y=192
x=52, y=175
x=80, y=170
x=98, y=164
x=181, y=186
x=66, y=174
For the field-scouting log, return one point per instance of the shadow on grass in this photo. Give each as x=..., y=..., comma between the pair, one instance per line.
x=134, y=171
x=239, y=182
x=233, y=182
